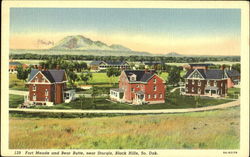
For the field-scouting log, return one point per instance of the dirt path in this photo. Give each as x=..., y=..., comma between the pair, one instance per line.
x=221, y=106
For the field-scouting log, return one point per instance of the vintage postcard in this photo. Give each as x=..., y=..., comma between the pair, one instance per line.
x=124, y=78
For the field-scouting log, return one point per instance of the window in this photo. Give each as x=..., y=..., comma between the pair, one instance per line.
x=132, y=89
x=46, y=92
x=43, y=79
x=155, y=88
x=36, y=79
x=154, y=96
x=215, y=83
x=137, y=86
x=192, y=89
x=186, y=89
x=199, y=83
x=199, y=91
x=34, y=88
x=34, y=97
x=154, y=80
x=148, y=96
x=192, y=81
x=46, y=99
x=208, y=84
x=160, y=95
x=132, y=78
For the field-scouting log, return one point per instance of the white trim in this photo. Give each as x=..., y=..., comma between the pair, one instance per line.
x=195, y=78
x=36, y=75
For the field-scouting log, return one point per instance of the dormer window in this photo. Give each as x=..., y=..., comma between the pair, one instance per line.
x=132, y=77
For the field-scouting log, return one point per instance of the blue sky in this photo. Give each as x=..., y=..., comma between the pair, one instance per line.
x=172, y=23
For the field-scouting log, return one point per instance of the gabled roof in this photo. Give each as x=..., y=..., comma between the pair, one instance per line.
x=116, y=63
x=95, y=62
x=232, y=73
x=51, y=75
x=141, y=75
x=208, y=74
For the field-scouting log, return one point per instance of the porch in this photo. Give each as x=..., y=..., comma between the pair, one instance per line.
x=116, y=94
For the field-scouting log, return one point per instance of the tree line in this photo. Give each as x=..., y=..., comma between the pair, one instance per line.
x=128, y=58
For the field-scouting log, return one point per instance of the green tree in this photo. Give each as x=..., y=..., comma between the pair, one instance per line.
x=85, y=77
x=236, y=67
x=72, y=77
x=22, y=74
x=174, y=76
x=112, y=73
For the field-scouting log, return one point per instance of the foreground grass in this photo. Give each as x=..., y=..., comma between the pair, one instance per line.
x=15, y=100
x=217, y=129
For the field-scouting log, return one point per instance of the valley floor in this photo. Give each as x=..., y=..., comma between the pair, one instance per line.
x=217, y=129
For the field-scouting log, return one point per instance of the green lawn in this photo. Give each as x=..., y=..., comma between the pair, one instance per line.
x=233, y=93
x=217, y=129
x=16, y=84
x=15, y=100
x=175, y=101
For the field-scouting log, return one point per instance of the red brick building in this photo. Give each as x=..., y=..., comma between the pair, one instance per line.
x=139, y=87
x=233, y=78
x=47, y=87
x=205, y=82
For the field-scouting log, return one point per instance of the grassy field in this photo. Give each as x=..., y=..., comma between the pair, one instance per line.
x=218, y=129
x=15, y=100
x=16, y=84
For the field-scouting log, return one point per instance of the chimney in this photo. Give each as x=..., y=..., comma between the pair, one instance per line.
x=57, y=67
x=222, y=67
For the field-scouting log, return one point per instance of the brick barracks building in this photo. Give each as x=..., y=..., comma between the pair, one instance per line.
x=48, y=87
x=139, y=87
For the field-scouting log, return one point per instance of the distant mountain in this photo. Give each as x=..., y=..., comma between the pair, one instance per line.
x=173, y=54
x=80, y=42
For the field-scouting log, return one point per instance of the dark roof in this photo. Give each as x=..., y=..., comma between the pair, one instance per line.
x=51, y=75
x=208, y=74
x=141, y=75
x=201, y=64
x=15, y=63
x=232, y=73
x=116, y=63
x=95, y=62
